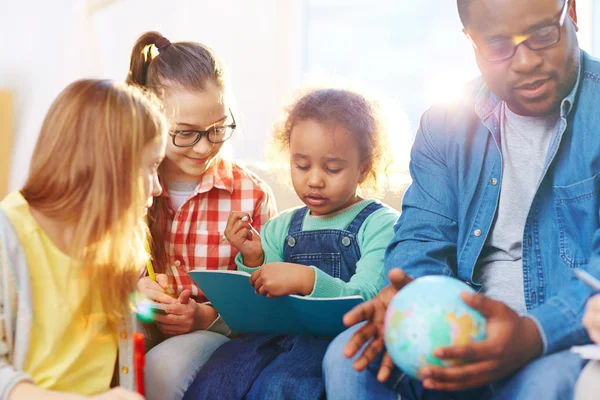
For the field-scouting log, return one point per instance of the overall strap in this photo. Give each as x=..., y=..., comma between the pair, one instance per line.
x=357, y=222
x=298, y=220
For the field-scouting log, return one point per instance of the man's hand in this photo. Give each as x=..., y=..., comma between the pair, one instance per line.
x=184, y=315
x=373, y=311
x=244, y=238
x=591, y=318
x=280, y=279
x=512, y=341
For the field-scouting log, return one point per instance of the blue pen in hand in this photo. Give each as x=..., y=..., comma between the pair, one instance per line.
x=587, y=278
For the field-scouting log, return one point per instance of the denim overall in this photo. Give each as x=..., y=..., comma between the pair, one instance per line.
x=333, y=251
x=283, y=366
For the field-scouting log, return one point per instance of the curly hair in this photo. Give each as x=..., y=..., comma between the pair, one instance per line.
x=360, y=116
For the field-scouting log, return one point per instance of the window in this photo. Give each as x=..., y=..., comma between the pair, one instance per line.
x=412, y=53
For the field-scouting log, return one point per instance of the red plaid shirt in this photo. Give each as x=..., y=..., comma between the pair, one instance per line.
x=195, y=238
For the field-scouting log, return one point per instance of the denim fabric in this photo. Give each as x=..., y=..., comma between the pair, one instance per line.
x=551, y=377
x=283, y=366
x=448, y=210
x=172, y=365
x=263, y=367
x=333, y=251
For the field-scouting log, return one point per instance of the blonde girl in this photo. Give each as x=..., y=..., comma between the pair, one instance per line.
x=72, y=245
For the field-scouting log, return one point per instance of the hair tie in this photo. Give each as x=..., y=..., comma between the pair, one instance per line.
x=162, y=43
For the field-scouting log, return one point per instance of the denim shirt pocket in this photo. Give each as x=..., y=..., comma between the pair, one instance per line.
x=330, y=263
x=577, y=214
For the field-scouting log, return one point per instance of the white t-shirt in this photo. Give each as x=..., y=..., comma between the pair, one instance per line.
x=179, y=192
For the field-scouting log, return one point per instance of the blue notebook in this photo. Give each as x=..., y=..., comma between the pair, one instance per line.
x=244, y=311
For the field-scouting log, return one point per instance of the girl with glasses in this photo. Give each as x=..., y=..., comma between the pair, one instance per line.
x=187, y=222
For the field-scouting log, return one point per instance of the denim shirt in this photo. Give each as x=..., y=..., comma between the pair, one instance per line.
x=447, y=213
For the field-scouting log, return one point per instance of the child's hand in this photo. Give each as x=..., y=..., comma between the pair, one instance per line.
x=373, y=311
x=512, y=341
x=156, y=291
x=184, y=315
x=280, y=279
x=591, y=318
x=245, y=238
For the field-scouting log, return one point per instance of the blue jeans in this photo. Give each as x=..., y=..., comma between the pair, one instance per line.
x=172, y=365
x=263, y=367
x=550, y=377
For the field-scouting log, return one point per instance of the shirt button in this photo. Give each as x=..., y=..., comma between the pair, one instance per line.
x=291, y=242
x=177, y=263
x=477, y=232
x=123, y=335
x=494, y=181
x=125, y=369
x=346, y=241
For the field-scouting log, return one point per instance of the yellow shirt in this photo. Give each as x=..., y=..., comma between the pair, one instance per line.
x=72, y=347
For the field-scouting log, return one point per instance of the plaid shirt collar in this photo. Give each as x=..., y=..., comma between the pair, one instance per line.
x=218, y=175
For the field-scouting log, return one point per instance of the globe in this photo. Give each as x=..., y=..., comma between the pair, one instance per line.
x=426, y=314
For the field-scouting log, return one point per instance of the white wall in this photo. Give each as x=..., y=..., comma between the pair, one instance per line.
x=33, y=52
x=585, y=20
x=45, y=45
x=595, y=10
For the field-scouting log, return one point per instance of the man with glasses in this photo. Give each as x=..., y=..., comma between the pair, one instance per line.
x=505, y=197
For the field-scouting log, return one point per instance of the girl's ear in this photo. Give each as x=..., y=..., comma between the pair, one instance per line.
x=365, y=168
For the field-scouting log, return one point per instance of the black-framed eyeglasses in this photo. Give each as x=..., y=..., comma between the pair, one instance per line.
x=537, y=39
x=215, y=135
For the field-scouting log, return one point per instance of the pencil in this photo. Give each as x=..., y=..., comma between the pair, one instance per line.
x=149, y=265
x=150, y=269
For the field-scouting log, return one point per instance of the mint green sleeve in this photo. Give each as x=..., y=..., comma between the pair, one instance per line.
x=272, y=238
x=373, y=237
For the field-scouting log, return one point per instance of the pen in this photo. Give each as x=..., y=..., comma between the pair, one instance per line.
x=245, y=218
x=587, y=278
